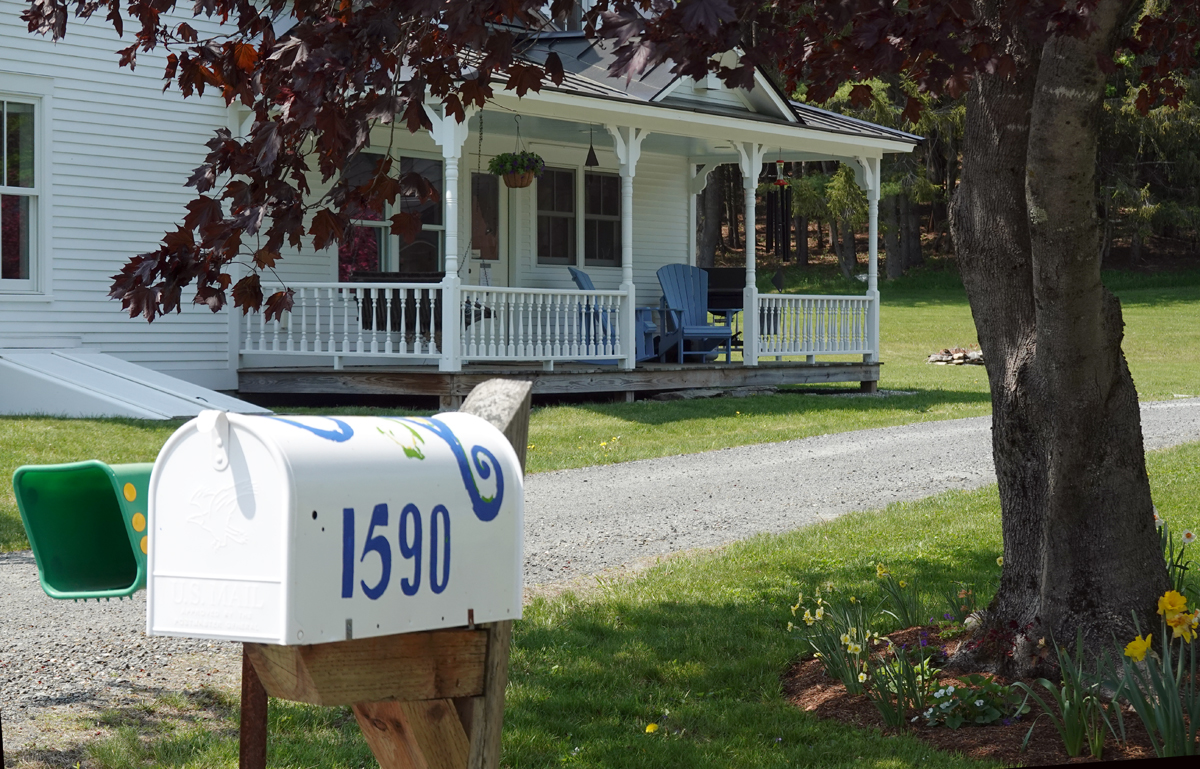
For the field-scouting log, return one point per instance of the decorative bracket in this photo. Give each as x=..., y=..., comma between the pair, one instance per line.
x=751, y=155
x=447, y=132
x=627, y=143
x=698, y=182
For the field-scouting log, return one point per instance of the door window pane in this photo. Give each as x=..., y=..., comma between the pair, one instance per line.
x=556, y=216
x=485, y=215
x=18, y=144
x=14, y=237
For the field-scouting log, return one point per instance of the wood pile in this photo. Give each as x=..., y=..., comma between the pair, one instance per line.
x=956, y=356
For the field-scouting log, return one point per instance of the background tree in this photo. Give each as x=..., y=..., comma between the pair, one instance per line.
x=1080, y=548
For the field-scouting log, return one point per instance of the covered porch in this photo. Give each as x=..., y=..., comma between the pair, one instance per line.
x=501, y=300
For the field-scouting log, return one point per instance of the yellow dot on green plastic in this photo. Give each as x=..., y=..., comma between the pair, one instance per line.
x=145, y=546
x=139, y=522
x=130, y=492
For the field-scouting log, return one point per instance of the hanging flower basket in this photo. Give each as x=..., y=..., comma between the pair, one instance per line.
x=517, y=168
x=517, y=181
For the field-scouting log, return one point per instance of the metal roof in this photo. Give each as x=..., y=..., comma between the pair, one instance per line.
x=586, y=63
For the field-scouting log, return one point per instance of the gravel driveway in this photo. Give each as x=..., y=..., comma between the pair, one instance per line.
x=62, y=661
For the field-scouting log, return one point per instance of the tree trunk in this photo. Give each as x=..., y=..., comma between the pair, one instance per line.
x=910, y=232
x=847, y=258
x=834, y=243
x=800, y=224
x=709, y=225
x=891, y=237
x=1080, y=548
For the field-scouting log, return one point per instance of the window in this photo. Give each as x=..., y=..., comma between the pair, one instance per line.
x=18, y=196
x=601, y=220
x=369, y=245
x=556, y=216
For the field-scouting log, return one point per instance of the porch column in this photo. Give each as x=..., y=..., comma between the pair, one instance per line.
x=627, y=142
x=871, y=181
x=751, y=164
x=450, y=135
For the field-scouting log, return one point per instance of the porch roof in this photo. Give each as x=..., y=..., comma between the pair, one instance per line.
x=586, y=74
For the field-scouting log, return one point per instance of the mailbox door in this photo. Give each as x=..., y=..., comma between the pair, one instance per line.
x=218, y=536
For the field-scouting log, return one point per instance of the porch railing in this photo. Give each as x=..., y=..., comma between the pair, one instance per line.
x=374, y=321
x=541, y=324
x=395, y=320
x=814, y=325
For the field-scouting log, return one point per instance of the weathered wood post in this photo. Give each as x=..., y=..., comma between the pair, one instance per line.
x=432, y=699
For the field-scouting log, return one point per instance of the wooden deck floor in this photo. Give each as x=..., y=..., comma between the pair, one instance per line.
x=571, y=378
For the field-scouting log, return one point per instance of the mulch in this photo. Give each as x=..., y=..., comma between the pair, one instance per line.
x=807, y=687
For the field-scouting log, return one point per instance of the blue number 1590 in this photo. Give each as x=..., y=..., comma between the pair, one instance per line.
x=411, y=548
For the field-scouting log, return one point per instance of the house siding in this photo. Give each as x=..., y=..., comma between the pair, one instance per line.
x=120, y=151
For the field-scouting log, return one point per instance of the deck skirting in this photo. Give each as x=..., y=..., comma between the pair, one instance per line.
x=569, y=379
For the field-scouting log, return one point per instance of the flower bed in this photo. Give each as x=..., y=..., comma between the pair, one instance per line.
x=806, y=686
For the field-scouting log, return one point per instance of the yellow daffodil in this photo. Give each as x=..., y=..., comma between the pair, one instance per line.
x=1138, y=647
x=903, y=583
x=845, y=638
x=820, y=612
x=651, y=728
x=790, y=627
x=1183, y=625
x=853, y=648
x=880, y=571
x=853, y=599
x=1000, y=561
x=1170, y=604
x=808, y=618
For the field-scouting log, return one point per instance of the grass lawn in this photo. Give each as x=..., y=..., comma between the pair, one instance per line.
x=921, y=313
x=696, y=645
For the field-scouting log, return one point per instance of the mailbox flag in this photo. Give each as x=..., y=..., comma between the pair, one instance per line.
x=86, y=523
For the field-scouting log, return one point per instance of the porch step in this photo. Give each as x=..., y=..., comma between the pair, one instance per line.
x=83, y=383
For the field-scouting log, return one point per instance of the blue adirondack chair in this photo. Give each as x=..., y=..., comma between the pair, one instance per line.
x=644, y=326
x=685, y=311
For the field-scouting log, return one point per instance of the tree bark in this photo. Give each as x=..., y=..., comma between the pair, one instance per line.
x=800, y=225
x=709, y=226
x=847, y=257
x=910, y=232
x=1080, y=548
x=891, y=237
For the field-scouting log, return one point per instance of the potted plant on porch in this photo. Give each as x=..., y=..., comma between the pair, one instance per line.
x=517, y=168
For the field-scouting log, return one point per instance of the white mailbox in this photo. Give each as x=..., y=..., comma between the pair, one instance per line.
x=304, y=530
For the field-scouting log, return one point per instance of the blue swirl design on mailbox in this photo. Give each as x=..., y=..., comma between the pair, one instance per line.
x=486, y=508
x=343, y=433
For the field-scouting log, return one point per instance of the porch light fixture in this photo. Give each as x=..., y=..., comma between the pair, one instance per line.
x=591, y=161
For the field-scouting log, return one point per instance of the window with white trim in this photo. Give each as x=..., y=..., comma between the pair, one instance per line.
x=370, y=246
x=556, y=216
x=19, y=180
x=601, y=220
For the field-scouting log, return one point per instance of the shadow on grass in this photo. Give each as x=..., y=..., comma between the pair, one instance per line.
x=589, y=677
x=783, y=403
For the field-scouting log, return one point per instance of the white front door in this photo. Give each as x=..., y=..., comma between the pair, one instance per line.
x=489, y=231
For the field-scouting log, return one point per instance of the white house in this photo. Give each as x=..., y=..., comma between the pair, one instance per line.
x=94, y=162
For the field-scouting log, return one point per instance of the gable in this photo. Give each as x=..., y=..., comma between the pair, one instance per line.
x=710, y=94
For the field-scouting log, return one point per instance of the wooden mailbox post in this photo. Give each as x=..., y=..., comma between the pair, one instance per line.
x=430, y=698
